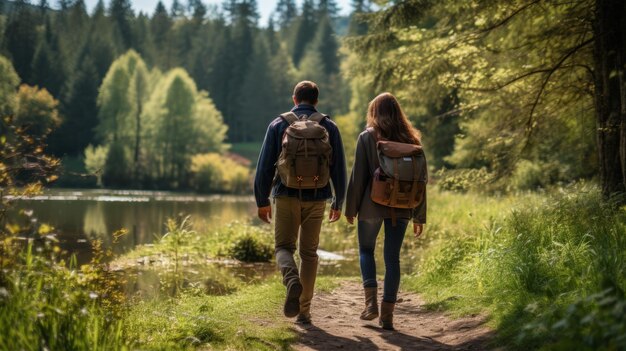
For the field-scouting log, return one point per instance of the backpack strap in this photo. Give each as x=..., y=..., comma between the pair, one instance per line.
x=290, y=117
x=316, y=117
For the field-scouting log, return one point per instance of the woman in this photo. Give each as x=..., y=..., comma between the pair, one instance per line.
x=385, y=121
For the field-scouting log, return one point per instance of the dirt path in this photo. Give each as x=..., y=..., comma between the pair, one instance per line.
x=336, y=326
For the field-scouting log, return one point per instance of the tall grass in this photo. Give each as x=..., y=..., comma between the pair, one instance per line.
x=552, y=274
x=47, y=305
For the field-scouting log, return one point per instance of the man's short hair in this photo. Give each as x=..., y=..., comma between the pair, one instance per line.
x=306, y=91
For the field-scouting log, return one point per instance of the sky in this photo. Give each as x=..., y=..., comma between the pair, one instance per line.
x=266, y=7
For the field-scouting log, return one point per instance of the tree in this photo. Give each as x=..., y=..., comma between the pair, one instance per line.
x=139, y=92
x=524, y=91
x=9, y=81
x=36, y=111
x=161, y=25
x=326, y=44
x=327, y=8
x=48, y=69
x=304, y=31
x=20, y=37
x=121, y=15
x=114, y=104
x=80, y=112
x=286, y=11
x=358, y=25
x=180, y=122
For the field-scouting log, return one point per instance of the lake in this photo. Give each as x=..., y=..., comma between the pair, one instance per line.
x=79, y=216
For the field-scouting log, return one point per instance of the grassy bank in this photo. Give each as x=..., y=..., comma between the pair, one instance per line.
x=246, y=320
x=550, y=271
x=547, y=269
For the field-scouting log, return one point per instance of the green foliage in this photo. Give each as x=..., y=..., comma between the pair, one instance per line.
x=36, y=111
x=213, y=173
x=117, y=172
x=477, y=71
x=251, y=248
x=95, y=160
x=8, y=83
x=464, y=179
x=551, y=273
x=44, y=304
x=152, y=124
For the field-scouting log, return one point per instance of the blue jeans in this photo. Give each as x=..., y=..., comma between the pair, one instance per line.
x=368, y=231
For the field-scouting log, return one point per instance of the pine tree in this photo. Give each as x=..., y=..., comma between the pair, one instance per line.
x=358, y=25
x=257, y=95
x=20, y=38
x=285, y=13
x=327, y=8
x=178, y=9
x=48, y=69
x=122, y=14
x=79, y=111
x=304, y=31
x=160, y=26
x=326, y=43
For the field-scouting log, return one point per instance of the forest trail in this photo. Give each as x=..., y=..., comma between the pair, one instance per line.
x=336, y=326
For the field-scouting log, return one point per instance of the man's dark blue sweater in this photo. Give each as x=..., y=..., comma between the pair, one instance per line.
x=266, y=167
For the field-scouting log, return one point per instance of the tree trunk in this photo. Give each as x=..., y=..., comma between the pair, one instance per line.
x=611, y=125
x=622, y=83
x=137, y=142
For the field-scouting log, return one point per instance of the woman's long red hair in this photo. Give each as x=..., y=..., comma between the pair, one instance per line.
x=385, y=115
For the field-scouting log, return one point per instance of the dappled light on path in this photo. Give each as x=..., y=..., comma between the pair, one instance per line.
x=336, y=325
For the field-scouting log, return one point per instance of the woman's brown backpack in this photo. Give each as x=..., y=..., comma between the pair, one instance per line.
x=400, y=180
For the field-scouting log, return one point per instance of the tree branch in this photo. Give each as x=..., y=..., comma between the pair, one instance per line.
x=508, y=18
x=545, y=83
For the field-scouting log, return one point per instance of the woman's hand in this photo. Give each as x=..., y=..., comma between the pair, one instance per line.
x=334, y=215
x=418, y=229
x=350, y=219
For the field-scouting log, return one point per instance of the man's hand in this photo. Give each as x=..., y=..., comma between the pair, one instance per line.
x=350, y=219
x=334, y=215
x=265, y=213
x=418, y=228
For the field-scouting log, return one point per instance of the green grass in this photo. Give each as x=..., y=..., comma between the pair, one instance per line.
x=549, y=272
x=246, y=320
x=46, y=305
x=249, y=319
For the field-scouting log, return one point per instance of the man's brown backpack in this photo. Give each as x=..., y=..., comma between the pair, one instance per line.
x=304, y=162
x=400, y=180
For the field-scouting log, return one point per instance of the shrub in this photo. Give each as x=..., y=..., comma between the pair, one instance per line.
x=463, y=179
x=250, y=248
x=213, y=173
x=95, y=160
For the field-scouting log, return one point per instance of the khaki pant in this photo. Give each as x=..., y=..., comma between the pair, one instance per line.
x=293, y=216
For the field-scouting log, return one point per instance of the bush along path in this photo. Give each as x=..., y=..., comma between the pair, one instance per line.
x=336, y=326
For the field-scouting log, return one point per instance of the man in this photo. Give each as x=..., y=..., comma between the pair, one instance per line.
x=298, y=210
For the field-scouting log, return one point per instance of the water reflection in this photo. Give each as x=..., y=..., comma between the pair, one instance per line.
x=83, y=215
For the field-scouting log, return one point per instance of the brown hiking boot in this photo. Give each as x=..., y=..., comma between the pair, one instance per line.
x=386, y=315
x=303, y=318
x=292, y=300
x=371, y=304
